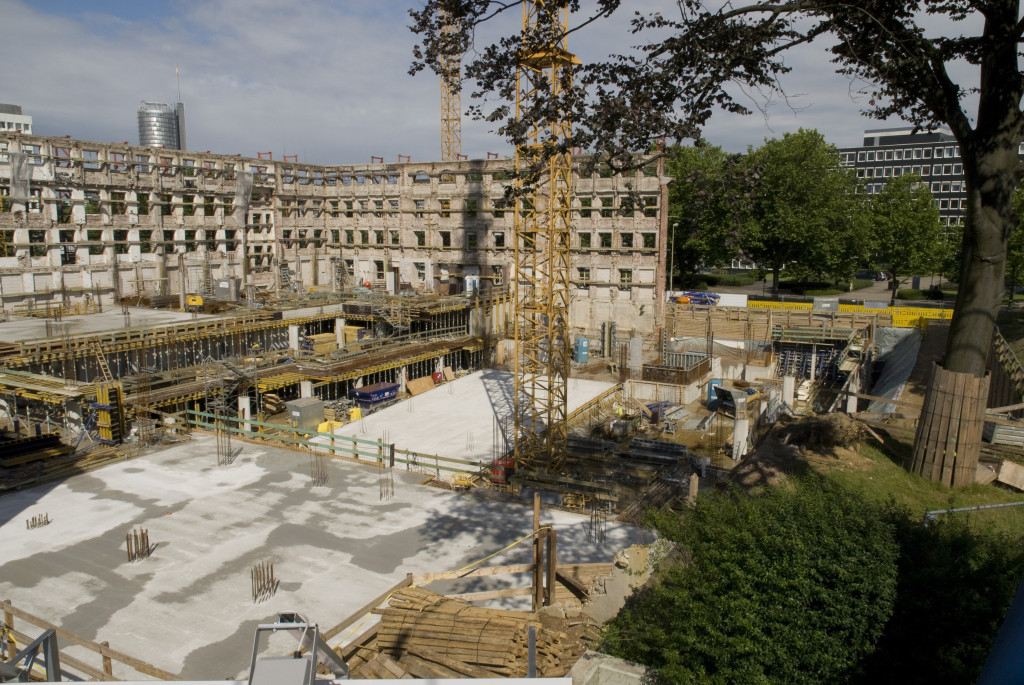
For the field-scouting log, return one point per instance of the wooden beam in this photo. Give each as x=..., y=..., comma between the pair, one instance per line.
x=493, y=594
x=472, y=573
x=332, y=632
x=576, y=587
x=138, y=664
x=1006, y=409
x=65, y=660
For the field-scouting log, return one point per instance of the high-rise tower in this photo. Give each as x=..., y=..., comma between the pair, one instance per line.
x=160, y=125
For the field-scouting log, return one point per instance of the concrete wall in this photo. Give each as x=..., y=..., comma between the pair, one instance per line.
x=150, y=219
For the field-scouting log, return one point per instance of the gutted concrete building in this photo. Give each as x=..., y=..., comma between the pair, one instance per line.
x=83, y=220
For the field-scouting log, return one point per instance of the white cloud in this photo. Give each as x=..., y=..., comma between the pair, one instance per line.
x=325, y=80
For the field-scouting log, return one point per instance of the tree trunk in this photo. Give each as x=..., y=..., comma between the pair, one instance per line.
x=775, y=279
x=991, y=176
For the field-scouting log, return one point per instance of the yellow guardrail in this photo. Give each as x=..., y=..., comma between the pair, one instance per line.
x=902, y=317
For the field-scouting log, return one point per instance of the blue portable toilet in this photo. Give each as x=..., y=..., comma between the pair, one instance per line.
x=712, y=393
x=582, y=350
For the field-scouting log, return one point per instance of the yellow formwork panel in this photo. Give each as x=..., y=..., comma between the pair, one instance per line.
x=902, y=317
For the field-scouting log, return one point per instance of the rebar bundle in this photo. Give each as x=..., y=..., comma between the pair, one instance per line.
x=37, y=521
x=598, y=523
x=137, y=543
x=318, y=470
x=263, y=584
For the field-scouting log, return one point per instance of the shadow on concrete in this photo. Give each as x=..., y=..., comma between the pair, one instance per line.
x=499, y=522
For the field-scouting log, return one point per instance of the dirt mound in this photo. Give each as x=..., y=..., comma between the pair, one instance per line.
x=821, y=433
x=795, y=445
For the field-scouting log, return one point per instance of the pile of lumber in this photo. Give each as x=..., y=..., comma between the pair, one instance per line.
x=430, y=636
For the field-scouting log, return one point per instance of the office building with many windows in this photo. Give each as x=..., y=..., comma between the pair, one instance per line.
x=933, y=155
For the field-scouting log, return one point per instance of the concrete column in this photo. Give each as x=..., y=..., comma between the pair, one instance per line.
x=788, y=389
x=854, y=386
x=293, y=337
x=741, y=427
x=339, y=331
x=245, y=412
x=305, y=388
x=403, y=378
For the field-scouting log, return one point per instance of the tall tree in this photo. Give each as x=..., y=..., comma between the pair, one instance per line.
x=804, y=210
x=906, y=227
x=707, y=203
x=695, y=56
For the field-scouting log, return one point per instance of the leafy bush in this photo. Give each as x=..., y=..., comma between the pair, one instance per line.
x=734, y=280
x=955, y=586
x=861, y=283
x=814, y=583
x=910, y=294
x=791, y=586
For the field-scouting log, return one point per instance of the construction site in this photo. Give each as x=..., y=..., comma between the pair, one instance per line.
x=423, y=412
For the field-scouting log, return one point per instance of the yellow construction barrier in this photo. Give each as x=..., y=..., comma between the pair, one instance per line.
x=902, y=317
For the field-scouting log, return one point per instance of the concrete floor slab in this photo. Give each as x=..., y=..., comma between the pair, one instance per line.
x=188, y=608
x=26, y=328
x=457, y=419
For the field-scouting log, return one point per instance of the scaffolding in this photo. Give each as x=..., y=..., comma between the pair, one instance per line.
x=544, y=178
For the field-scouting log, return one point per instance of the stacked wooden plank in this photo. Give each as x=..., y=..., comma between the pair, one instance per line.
x=323, y=343
x=447, y=636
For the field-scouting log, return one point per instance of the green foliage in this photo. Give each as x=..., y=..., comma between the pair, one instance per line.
x=954, y=588
x=906, y=227
x=1015, y=248
x=911, y=294
x=734, y=280
x=790, y=586
x=706, y=203
x=805, y=213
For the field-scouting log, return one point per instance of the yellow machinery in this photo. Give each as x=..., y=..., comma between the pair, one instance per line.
x=194, y=303
x=574, y=500
x=542, y=250
x=463, y=481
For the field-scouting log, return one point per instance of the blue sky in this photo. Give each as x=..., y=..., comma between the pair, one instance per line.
x=324, y=80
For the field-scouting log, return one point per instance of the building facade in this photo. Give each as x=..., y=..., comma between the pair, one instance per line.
x=12, y=119
x=934, y=156
x=116, y=221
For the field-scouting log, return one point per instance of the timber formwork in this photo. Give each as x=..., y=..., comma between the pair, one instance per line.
x=736, y=323
x=187, y=344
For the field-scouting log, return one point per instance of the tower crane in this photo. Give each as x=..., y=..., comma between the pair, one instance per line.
x=542, y=247
x=451, y=107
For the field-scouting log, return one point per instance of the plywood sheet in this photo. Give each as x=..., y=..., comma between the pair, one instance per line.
x=1011, y=474
x=418, y=386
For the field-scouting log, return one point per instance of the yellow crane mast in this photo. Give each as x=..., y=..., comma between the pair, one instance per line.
x=451, y=107
x=542, y=248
